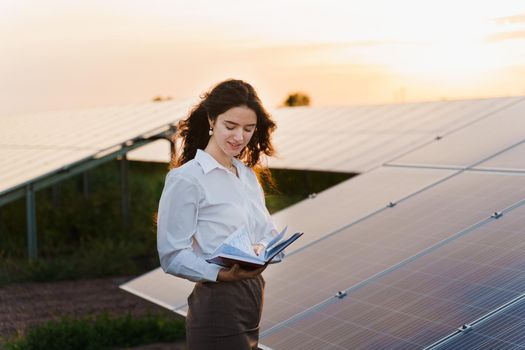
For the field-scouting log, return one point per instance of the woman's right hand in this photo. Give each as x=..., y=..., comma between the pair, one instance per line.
x=236, y=273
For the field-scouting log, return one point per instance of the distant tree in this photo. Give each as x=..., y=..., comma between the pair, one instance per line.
x=297, y=99
x=161, y=99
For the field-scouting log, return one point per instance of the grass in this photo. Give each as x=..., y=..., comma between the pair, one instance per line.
x=99, y=332
x=83, y=236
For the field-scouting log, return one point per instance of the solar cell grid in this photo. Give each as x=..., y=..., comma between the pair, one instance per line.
x=336, y=207
x=171, y=293
x=41, y=160
x=380, y=115
x=510, y=160
x=432, y=117
x=363, y=137
x=43, y=143
x=442, y=290
x=365, y=155
x=463, y=148
x=504, y=331
x=98, y=129
x=388, y=238
x=347, y=119
x=461, y=113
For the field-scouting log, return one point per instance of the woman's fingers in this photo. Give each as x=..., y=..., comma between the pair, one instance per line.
x=235, y=271
x=245, y=273
x=259, y=270
x=255, y=272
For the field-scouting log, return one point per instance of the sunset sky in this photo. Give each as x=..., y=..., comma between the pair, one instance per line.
x=69, y=54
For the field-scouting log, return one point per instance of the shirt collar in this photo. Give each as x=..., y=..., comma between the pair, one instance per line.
x=208, y=163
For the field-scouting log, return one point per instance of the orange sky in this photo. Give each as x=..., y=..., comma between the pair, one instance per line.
x=75, y=54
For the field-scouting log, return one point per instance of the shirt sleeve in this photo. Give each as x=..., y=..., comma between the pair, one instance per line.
x=176, y=225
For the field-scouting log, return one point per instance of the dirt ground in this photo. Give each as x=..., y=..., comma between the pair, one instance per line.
x=27, y=304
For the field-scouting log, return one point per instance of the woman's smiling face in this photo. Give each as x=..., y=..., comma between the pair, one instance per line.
x=233, y=129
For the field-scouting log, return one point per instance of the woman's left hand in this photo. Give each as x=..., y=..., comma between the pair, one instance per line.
x=237, y=273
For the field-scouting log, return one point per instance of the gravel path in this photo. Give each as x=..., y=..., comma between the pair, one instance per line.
x=28, y=304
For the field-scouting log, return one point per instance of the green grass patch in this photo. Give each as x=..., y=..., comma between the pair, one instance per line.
x=99, y=332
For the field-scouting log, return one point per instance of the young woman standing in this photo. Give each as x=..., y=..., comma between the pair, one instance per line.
x=211, y=192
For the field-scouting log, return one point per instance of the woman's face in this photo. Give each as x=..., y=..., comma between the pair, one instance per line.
x=233, y=129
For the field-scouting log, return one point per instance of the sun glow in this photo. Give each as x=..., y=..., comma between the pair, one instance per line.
x=339, y=51
x=450, y=58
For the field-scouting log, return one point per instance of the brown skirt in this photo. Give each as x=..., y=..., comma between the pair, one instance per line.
x=225, y=315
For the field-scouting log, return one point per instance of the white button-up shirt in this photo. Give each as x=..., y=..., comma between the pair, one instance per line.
x=201, y=205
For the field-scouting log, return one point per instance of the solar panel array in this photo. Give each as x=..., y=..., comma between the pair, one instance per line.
x=386, y=239
x=361, y=138
x=475, y=265
x=358, y=138
x=348, y=139
x=472, y=144
x=423, y=300
x=427, y=251
x=35, y=145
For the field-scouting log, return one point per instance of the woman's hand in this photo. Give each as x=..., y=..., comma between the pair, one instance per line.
x=236, y=273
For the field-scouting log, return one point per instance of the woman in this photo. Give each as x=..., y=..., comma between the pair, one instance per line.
x=213, y=191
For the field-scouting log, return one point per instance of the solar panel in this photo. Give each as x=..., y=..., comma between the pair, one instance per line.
x=19, y=164
x=383, y=240
x=511, y=160
x=157, y=151
x=505, y=331
x=474, y=143
x=423, y=300
x=162, y=289
x=352, y=200
x=43, y=143
x=361, y=138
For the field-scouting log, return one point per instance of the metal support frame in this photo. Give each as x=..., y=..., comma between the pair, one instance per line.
x=28, y=189
x=32, y=251
x=124, y=189
x=70, y=170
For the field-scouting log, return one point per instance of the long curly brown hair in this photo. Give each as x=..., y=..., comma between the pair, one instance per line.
x=193, y=131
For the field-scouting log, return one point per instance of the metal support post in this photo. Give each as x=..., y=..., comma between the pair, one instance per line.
x=124, y=165
x=31, y=222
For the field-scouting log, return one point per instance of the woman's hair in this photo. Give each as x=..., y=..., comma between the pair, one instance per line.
x=193, y=131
